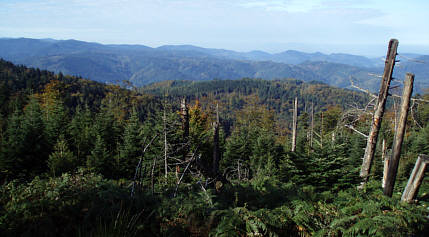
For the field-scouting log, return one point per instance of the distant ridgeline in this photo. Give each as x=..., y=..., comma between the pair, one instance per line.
x=143, y=65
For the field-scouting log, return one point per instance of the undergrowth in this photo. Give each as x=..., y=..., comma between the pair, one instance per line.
x=84, y=204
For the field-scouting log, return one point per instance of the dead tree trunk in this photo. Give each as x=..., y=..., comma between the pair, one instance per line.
x=138, y=168
x=415, y=180
x=399, y=135
x=378, y=115
x=185, y=118
x=184, y=114
x=312, y=125
x=165, y=145
x=321, y=131
x=294, y=125
x=385, y=160
x=216, y=150
x=395, y=119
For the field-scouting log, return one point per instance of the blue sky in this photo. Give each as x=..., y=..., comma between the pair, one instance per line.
x=349, y=26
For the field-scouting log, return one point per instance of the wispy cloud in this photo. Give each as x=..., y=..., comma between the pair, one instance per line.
x=281, y=5
x=234, y=24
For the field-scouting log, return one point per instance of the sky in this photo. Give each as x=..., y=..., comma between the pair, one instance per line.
x=361, y=27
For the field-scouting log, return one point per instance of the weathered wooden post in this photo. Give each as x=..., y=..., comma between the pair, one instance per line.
x=378, y=115
x=294, y=125
x=399, y=135
x=416, y=178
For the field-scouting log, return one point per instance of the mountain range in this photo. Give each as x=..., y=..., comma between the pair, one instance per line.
x=143, y=65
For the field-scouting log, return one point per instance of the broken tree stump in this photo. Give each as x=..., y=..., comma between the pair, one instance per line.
x=416, y=179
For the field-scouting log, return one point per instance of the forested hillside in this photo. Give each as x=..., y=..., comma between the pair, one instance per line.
x=180, y=158
x=276, y=96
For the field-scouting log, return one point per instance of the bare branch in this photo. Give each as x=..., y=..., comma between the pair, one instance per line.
x=370, y=103
x=413, y=115
x=361, y=89
x=183, y=174
x=412, y=59
x=138, y=168
x=375, y=75
x=317, y=134
x=412, y=99
x=147, y=146
x=357, y=131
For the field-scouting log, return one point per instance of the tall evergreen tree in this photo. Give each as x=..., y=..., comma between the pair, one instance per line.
x=61, y=159
x=106, y=126
x=25, y=150
x=81, y=133
x=420, y=144
x=100, y=160
x=55, y=121
x=131, y=148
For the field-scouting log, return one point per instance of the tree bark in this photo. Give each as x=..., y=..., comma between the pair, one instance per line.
x=378, y=115
x=399, y=135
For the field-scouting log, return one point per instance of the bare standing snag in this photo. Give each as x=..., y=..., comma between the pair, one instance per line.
x=378, y=115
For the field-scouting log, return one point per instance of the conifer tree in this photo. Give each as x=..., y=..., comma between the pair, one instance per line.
x=420, y=144
x=131, y=147
x=25, y=150
x=61, y=159
x=99, y=160
x=331, y=168
x=55, y=121
x=108, y=128
x=264, y=153
x=12, y=146
x=237, y=152
x=54, y=112
x=81, y=133
x=199, y=134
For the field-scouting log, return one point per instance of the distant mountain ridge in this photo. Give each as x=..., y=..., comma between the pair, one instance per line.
x=143, y=65
x=288, y=57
